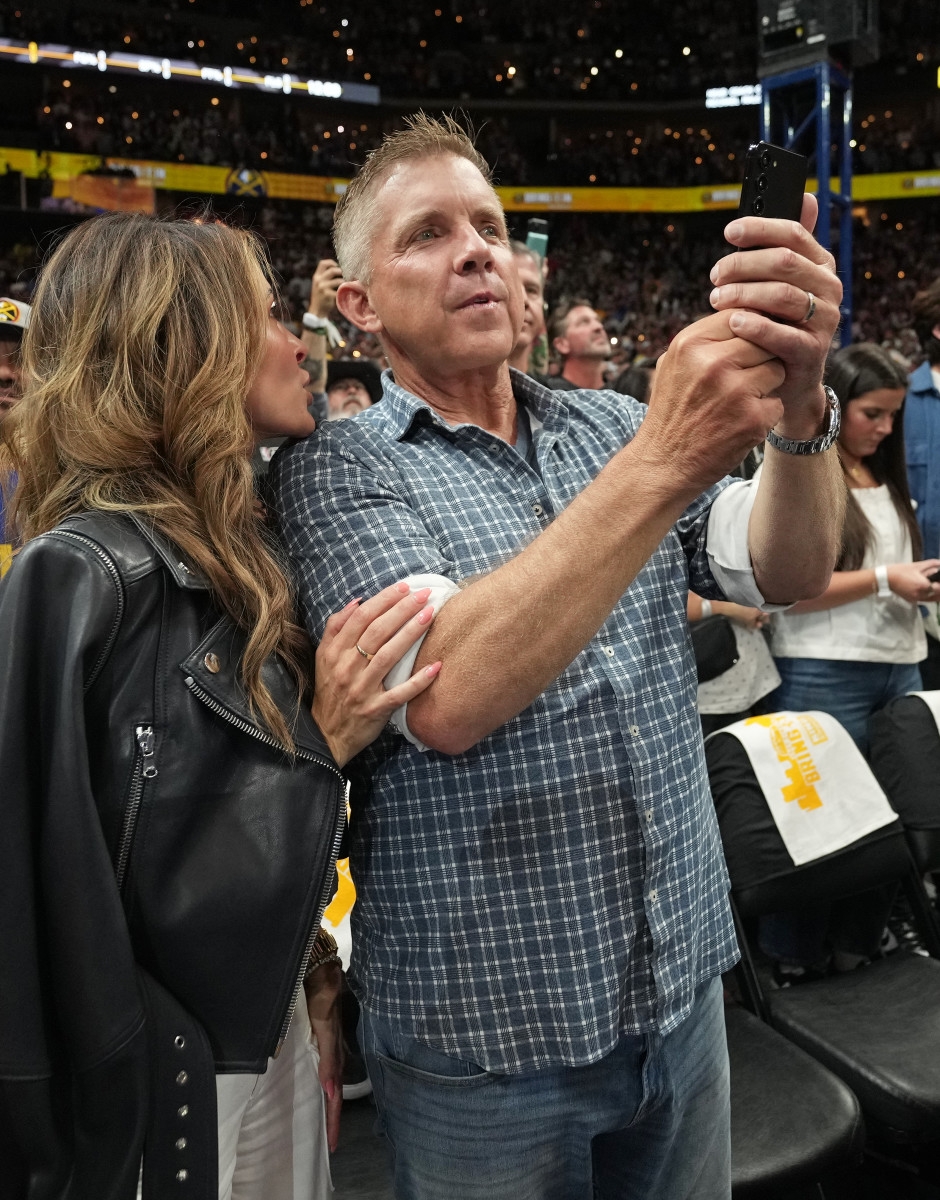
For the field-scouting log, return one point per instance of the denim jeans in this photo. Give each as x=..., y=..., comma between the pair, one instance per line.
x=650, y=1121
x=852, y=692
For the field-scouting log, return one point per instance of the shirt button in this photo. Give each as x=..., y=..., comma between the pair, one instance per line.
x=654, y=894
x=609, y=651
x=537, y=509
x=635, y=730
x=649, y=814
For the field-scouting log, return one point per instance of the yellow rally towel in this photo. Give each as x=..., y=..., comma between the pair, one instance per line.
x=817, y=784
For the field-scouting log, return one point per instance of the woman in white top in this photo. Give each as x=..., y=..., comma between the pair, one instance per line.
x=857, y=646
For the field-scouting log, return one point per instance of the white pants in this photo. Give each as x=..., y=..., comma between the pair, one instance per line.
x=272, y=1127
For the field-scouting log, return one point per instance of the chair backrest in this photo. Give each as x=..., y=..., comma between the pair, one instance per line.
x=905, y=757
x=763, y=876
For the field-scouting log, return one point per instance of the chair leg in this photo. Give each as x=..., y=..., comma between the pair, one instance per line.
x=751, y=991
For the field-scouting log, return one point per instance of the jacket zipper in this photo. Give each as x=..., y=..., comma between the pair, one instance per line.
x=119, y=587
x=143, y=770
x=255, y=732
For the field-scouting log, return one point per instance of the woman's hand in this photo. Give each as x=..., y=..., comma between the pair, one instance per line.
x=323, y=987
x=360, y=646
x=750, y=618
x=910, y=580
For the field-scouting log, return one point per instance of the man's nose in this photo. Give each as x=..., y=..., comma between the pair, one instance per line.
x=474, y=251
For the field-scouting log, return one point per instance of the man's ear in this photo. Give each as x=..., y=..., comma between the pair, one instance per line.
x=562, y=345
x=352, y=300
x=936, y=332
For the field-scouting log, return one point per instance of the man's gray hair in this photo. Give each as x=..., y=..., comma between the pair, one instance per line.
x=355, y=219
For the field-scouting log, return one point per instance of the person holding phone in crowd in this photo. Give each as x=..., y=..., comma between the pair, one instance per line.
x=171, y=807
x=541, y=917
x=858, y=645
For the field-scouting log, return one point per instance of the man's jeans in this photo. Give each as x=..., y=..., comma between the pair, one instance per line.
x=648, y=1122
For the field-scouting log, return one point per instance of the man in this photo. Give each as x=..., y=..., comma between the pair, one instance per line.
x=531, y=279
x=922, y=443
x=578, y=336
x=542, y=914
x=14, y=317
x=352, y=384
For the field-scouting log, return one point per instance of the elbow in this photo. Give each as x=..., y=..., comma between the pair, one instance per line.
x=441, y=731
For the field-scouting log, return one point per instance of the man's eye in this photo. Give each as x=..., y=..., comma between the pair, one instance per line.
x=424, y=235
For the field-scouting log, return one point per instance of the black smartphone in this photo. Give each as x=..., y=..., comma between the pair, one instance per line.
x=774, y=183
x=934, y=578
x=537, y=236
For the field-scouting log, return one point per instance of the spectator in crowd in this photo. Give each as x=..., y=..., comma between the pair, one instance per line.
x=14, y=317
x=736, y=692
x=352, y=384
x=922, y=441
x=857, y=646
x=542, y=915
x=318, y=332
x=582, y=343
x=186, y=818
x=531, y=276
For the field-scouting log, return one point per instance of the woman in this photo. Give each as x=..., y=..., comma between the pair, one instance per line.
x=171, y=809
x=857, y=646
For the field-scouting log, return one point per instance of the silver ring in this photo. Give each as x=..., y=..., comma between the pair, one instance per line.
x=811, y=308
x=364, y=653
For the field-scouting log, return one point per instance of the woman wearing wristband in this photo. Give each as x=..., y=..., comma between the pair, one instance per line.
x=172, y=798
x=857, y=646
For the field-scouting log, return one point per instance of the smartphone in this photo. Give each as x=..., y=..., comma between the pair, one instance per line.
x=537, y=236
x=774, y=183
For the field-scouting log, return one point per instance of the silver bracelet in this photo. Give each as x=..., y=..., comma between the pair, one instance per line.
x=884, y=587
x=706, y=609
x=816, y=445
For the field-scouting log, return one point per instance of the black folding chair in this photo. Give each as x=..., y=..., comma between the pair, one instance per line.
x=793, y=1123
x=905, y=758
x=877, y=1028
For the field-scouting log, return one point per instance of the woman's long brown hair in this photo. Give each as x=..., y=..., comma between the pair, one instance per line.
x=851, y=372
x=144, y=337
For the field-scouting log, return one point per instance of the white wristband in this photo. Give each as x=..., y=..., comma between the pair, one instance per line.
x=706, y=609
x=881, y=577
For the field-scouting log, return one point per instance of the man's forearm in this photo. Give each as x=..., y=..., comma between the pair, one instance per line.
x=507, y=636
x=795, y=529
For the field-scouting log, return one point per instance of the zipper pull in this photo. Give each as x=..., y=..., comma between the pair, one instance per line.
x=145, y=741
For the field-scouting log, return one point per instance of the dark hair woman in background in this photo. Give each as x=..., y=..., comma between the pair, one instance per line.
x=857, y=646
x=171, y=810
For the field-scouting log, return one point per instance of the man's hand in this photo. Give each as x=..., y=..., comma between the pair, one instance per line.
x=326, y=280
x=776, y=281
x=714, y=397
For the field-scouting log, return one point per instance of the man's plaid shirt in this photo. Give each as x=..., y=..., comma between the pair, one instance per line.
x=562, y=882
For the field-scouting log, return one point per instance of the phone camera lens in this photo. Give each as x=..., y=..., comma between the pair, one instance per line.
x=765, y=159
x=759, y=205
x=762, y=183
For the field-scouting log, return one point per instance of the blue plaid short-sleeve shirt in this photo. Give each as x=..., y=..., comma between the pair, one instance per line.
x=562, y=882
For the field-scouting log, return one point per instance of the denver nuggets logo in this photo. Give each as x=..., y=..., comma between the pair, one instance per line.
x=246, y=182
x=9, y=311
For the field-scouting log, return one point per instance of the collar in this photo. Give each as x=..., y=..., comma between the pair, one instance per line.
x=922, y=381
x=400, y=409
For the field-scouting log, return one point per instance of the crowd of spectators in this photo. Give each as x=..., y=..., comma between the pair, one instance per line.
x=282, y=134
x=445, y=48
x=646, y=273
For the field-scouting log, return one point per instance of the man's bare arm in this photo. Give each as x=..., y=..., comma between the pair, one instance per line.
x=505, y=637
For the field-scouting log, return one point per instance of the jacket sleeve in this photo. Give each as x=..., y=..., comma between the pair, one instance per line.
x=73, y=1067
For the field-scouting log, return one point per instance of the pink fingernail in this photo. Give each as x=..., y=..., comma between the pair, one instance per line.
x=403, y=588
x=425, y=615
x=433, y=669
x=351, y=604
x=421, y=595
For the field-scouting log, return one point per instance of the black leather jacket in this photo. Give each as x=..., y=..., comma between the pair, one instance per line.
x=163, y=865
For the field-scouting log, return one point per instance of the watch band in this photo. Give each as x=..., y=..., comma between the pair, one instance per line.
x=816, y=445
x=324, y=950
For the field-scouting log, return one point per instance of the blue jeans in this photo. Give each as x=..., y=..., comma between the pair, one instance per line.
x=651, y=1121
x=852, y=692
